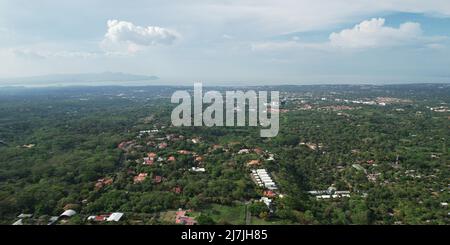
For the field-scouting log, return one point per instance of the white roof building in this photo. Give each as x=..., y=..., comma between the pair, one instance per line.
x=195, y=169
x=341, y=192
x=68, y=213
x=262, y=179
x=19, y=222
x=115, y=217
x=266, y=201
x=25, y=216
x=323, y=197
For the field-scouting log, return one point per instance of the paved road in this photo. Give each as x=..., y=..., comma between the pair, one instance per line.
x=248, y=215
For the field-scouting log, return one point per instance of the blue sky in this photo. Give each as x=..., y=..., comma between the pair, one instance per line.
x=254, y=41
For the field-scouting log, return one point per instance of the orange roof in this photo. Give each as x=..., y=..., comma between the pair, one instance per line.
x=98, y=185
x=102, y=182
x=253, y=162
x=108, y=181
x=269, y=193
x=141, y=177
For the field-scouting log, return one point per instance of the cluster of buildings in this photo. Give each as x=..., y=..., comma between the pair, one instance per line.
x=152, y=158
x=106, y=217
x=51, y=221
x=337, y=108
x=144, y=132
x=126, y=145
x=68, y=214
x=262, y=179
x=330, y=193
x=440, y=109
x=267, y=155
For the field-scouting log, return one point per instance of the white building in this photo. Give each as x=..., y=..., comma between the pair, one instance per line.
x=263, y=179
x=196, y=169
x=115, y=217
x=266, y=201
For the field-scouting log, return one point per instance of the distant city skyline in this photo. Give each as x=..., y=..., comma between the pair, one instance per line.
x=225, y=42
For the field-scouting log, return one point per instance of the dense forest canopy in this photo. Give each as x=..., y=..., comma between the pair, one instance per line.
x=89, y=149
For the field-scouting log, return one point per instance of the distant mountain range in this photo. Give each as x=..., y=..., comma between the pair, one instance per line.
x=109, y=77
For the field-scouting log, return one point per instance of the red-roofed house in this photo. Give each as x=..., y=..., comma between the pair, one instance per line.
x=269, y=193
x=253, y=163
x=186, y=221
x=99, y=218
x=181, y=218
x=141, y=177
x=125, y=145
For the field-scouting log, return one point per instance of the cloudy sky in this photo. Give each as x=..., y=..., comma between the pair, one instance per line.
x=255, y=41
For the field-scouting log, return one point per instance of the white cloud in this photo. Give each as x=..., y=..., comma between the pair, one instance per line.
x=373, y=33
x=285, y=16
x=134, y=38
x=366, y=35
x=202, y=24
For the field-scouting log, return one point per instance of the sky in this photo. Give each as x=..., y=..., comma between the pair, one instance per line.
x=218, y=41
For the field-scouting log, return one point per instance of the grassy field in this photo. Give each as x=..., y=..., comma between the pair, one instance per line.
x=226, y=214
x=168, y=216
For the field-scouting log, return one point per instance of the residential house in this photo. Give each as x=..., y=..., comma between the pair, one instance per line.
x=106, y=217
x=183, y=219
x=140, y=178
x=196, y=169
x=151, y=155
x=253, y=163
